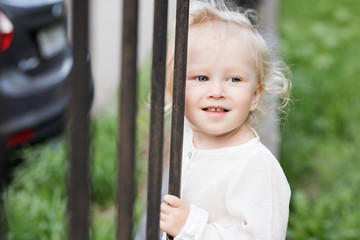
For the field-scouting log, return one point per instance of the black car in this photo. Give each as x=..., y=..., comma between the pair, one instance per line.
x=35, y=61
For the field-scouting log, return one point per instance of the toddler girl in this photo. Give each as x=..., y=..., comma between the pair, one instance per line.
x=232, y=186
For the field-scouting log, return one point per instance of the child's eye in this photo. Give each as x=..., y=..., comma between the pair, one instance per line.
x=202, y=78
x=234, y=79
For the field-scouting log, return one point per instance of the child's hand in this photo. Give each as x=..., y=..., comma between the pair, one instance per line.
x=173, y=215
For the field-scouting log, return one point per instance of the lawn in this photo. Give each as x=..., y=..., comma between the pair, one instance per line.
x=320, y=138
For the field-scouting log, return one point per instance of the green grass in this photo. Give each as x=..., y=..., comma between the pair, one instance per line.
x=34, y=202
x=320, y=142
x=319, y=148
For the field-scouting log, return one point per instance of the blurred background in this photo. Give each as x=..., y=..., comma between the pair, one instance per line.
x=319, y=136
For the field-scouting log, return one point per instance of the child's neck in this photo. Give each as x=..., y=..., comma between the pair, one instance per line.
x=236, y=137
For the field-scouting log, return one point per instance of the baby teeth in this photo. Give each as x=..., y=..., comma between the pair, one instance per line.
x=215, y=109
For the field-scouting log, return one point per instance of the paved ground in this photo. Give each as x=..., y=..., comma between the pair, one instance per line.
x=105, y=30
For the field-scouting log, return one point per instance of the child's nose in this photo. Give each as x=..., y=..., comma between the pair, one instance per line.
x=216, y=89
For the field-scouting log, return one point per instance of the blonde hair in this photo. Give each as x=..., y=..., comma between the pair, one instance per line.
x=271, y=72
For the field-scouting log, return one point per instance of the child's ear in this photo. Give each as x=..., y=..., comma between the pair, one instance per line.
x=256, y=98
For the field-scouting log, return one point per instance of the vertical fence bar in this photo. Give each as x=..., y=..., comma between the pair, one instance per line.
x=2, y=187
x=177, y=123
x=157, y=119
x=79, y=125
x=127, y=112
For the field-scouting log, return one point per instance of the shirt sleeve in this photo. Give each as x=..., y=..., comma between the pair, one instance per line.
x=257, y=202
x=195, y=224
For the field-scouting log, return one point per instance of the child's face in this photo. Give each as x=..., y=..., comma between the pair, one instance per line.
x=221, y=81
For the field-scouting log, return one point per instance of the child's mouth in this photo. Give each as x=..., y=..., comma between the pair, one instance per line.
x=214, y=109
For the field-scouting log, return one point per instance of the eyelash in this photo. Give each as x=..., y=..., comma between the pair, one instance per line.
x=204, y=78
x=237, y=79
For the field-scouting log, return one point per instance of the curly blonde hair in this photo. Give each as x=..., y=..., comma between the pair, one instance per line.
x=271, y=72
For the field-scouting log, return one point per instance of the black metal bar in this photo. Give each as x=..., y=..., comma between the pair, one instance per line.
x=3, y=171
x=157, y=120
x=2, y=165
x=79, y=122
x=127, y=112
x=3, y=221
x=3, y=160
x=177, y=122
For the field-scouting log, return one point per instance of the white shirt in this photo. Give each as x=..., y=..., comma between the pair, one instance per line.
x=236, y=192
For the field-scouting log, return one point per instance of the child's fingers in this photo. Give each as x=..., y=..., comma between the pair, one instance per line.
x=163, y=217
x=163, y=226
x=172, y=200
x=165, y=208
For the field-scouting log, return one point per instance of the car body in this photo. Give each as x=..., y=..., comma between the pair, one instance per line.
x=34, y=68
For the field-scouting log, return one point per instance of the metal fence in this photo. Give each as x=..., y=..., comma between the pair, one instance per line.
x=79, y=118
